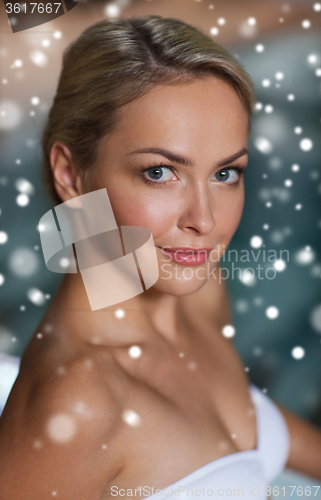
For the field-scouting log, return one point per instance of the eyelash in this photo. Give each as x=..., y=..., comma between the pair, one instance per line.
x=237, y=168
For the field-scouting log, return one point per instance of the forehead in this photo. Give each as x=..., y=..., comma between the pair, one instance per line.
x=204, y=113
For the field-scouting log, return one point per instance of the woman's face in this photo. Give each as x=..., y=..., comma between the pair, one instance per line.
x=168, y=166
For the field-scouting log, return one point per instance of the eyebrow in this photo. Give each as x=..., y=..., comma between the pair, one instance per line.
x=187, y=161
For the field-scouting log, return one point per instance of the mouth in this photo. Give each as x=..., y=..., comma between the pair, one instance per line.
x=187, y=255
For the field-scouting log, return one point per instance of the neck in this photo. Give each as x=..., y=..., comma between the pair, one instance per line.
x=151, y=309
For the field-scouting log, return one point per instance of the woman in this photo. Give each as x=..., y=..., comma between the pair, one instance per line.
x=155, y=398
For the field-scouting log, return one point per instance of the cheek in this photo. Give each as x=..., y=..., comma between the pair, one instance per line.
x=228, y=215
x=137, y=209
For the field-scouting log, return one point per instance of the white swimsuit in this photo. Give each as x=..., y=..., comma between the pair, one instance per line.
x=244, y=474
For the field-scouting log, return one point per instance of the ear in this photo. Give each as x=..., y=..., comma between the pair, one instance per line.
x=66, y=176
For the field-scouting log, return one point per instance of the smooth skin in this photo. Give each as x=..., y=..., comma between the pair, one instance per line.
x=69, y=427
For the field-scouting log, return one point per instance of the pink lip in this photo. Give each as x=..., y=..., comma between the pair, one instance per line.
x=184, y=255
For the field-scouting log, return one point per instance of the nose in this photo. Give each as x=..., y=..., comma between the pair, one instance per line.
x=197, y=212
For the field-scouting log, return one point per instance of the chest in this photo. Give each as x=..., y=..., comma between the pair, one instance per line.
x=193, y=406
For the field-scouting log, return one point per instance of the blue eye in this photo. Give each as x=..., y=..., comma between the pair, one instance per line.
x=228, y=174
x=157, y=173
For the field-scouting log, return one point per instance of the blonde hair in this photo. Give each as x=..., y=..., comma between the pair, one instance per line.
x=116, y=61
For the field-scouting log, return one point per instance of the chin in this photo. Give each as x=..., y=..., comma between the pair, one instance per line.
x=182, y=280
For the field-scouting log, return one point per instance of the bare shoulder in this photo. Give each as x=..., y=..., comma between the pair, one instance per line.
x=305, y=444
x=60, y=426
